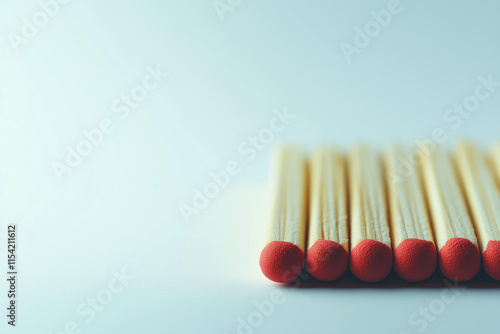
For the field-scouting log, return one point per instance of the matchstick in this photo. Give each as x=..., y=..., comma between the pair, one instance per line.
x=459, y=257
x=371, y=255
x=282, y=259
x=484, y=202
x=415, y=255
x=327, y=253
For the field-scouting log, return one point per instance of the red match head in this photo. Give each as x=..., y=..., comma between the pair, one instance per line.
x=281, y=261
x=371, y=261
x=459, y=259
x=415, y=259
x=326, y=260
x=491, y=259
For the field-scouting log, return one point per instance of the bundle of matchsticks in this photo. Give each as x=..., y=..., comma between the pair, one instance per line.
x=408, y=209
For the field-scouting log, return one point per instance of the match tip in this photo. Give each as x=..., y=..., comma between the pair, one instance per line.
x=415, y=259
x=491, y=259
x=459, y=259
x=326, y=260
x=371, y=261
x=281, y=261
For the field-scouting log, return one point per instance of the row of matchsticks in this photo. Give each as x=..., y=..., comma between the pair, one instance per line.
x=411, y=209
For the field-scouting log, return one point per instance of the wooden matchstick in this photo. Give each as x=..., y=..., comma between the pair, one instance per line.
x=484, y=202
x=327, y=254
x=459, y=257
x=371, y=255
x=282, y=259
x=415, y=255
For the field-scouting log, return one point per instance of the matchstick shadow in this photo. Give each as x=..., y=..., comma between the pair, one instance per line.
x=393, y=281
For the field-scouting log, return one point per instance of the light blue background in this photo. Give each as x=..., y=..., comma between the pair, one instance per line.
x=120, y=207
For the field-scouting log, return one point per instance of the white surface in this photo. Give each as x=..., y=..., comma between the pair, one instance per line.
x=120, y=207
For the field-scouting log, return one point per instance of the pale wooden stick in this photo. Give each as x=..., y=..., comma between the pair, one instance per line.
x=288, y=219
x=371, y=256
x=328, y=244
x=368, y=207
x=415, y=256
x=409, y=217
x=328, y=199
x=484, y=202
x=459, y=257
x=481, y=192
x=283, y=256
x=495, y=161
